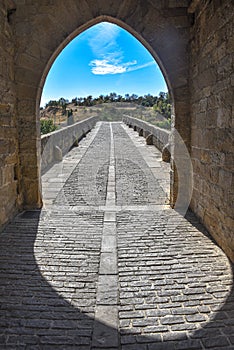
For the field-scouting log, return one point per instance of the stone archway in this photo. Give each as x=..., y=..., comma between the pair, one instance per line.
x=43, y=33
x=192, y=40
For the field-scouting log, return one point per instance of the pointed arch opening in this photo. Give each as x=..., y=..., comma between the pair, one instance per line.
x=103, y=57
x=164, y=43
x=118, y=24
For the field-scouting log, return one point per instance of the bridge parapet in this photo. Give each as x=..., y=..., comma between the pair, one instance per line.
x=57, y=143
x=153, y=134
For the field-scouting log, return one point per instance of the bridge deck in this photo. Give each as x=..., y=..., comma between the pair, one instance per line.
x=106, y=264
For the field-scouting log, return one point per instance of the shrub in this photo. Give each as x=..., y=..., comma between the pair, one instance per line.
x=47, y=126
x=166, y=124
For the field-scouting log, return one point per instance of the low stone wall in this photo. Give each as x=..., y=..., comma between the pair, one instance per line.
x=157, y=136
x=56, y=144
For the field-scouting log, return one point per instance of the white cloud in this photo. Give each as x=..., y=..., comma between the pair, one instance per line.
x=141, y=66
x=102, y=39
x=109, y=57
x=102, y=67
x=112, y=66
x=106, y=66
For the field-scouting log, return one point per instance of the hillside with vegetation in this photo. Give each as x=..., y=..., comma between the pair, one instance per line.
x=153, y=109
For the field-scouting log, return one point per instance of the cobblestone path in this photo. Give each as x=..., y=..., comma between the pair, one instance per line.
x=106, y=264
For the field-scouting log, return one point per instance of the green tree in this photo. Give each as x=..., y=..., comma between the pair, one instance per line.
x=127, y=97
x=47, y=126
x=100, y=99
x=163, y=105
x=134, y=98
x=113, y=96
x=51, y=103
x=75, y=101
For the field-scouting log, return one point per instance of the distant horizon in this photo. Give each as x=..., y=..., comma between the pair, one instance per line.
x=95, y=97
x=103, y=59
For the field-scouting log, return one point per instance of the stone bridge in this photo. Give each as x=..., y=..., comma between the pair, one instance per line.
x=107, y=263
x=191, y=40
x=173, y=281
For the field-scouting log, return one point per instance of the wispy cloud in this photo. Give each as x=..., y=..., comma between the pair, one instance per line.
x=102, y=67
x=102, y=39
x=105, y=66
x=109, y=55
x=141, y=66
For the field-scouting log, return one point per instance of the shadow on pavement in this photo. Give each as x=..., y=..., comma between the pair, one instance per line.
x=34, y=316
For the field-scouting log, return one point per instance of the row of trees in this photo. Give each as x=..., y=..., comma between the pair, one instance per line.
x=62, y=103
x=160, y=103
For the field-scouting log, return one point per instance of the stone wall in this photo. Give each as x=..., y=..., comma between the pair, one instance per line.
x=212, y=97
x=8, y=131
x=160, y=137
x=56, y=144
x=167, y=141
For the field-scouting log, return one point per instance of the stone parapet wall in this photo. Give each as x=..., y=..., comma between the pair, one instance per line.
x=56, y=144
x=212, y=81
x=160, y=137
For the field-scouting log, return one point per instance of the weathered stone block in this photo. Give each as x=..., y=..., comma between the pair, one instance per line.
x=149, y=139
x=58, y=154
x=166, y=153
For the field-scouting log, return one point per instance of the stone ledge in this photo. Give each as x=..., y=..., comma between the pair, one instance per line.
x=63, y=140
x=153, y=134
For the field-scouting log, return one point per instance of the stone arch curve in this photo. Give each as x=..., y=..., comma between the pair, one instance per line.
x=88, y=25
x=43, y=29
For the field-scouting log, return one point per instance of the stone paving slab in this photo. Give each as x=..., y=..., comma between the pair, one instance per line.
x=106, y=264
x=173, y=282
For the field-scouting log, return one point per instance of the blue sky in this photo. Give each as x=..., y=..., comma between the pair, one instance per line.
x=103, y=59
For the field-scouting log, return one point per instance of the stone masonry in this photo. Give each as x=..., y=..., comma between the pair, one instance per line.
x=212, y=98
x=109, y=266
x=8, y=120
x=192, y=41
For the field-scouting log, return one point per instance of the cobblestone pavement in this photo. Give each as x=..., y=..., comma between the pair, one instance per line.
x=106, y=264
